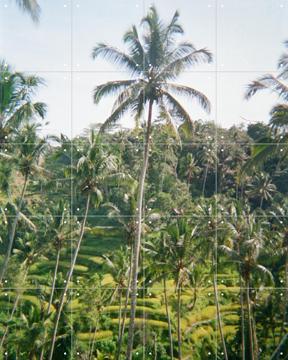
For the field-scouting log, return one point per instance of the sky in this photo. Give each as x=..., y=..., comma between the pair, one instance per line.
x=245, y=36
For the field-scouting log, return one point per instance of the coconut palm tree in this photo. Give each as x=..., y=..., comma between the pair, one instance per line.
x=181, y=245
x=279, y=216
x=207, y=157
x=62, y=231
x=192, y=168
x=28, y=250
x=262, y=188
x=16, y=100
x=278, y=115
x=209, y=222
x=244, y=250
x=153, y=62
x=159, y=269
x=119, y=267
x=25, y=159
x=94, y=168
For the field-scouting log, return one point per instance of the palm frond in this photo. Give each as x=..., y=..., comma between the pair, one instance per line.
x=110, y=88
x=177, y=109
x=116, y=56
x=31, y=7
x=191, y=93
x=269, y=82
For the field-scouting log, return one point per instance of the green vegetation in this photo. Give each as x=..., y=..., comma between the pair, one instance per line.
x=166, y=241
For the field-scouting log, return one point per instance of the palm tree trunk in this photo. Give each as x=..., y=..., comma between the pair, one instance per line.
x=124, y=311
x=120, y=313
x=261, y=202
x=218, y=312
x=93, y=341
x=204, y=181
x=13, y=230
x=242, y=321
x=286, y=294
x=52, y=294
x=155, y=346
x=168, y=317
x=249, y=320
x=179, y=323
x=137, y=244
x=69, y=276
x=54, y=280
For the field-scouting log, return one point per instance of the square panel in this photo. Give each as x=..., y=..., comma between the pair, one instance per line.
x=232, y=107
x=235, y=315
x=101, y=29
x=25, y=317
x=193, y=17
x=197, y=324
x=43, y=40
x=178, y=173
x=57, y=95
x=242, y=46
x=87, y=114
x=106, y=244
x=107, y=313
x=51, y=99
x=40, y=254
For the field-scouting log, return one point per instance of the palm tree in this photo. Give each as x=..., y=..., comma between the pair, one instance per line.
x=26, y=157
x=279, y=216
x=152, y=62
x=62, y=231
x=160, y=255
x=16, y=100
x=262, y=187
x=28, y=251
x=244, y=250
x=207, y=157
x=278, y=115
x=94, y=168
x=180, y=236
x=119, y=268
x=31, y=7
x=210, y=211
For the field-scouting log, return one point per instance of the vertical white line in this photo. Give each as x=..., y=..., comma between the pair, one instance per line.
x=144, y=8
x=216, y=165
x=71, y=161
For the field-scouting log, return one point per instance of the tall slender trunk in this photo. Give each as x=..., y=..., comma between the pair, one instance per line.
x=93, y=341
x=256, y=350
x=242, y=321
x=218, y=311
x=120, y=340
x=155, y=346
x=51, y=295
x=261, y=202
x=168, y=317
x=137, y=244
x=13, y=230
x=179, y=335
x=54, y=280
x=69, y=276
x=242, y=309
x=286, y=294
x=204, y=181
x=120, y=313
x=12, y=312
x=249, y=320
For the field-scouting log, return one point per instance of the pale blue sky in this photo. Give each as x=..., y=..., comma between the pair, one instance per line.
x=245, y=36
